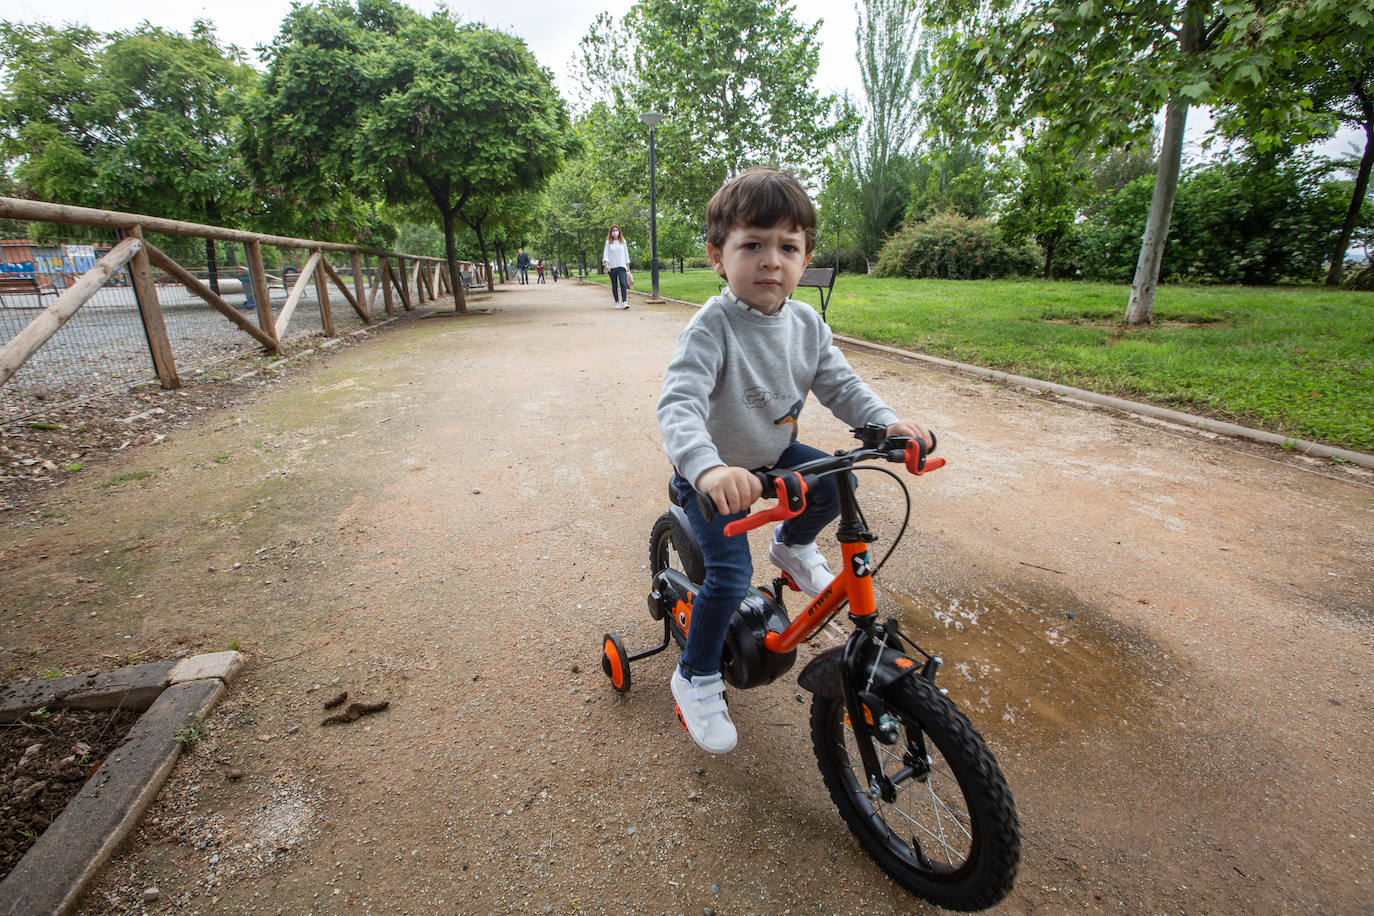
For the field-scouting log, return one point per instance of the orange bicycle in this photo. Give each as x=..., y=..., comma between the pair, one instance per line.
x=913, y=779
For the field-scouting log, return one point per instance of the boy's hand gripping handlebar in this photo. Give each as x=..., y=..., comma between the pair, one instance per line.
x=791, y=486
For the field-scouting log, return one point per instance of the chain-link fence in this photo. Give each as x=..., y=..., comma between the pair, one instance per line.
x=105, y=344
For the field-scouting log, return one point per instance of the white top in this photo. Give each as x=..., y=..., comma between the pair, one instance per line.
x=616, y=254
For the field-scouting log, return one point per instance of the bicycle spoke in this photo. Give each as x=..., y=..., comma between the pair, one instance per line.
x=923, y=814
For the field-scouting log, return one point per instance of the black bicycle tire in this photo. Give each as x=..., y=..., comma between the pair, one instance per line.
x=663, y=529
x=994, y=856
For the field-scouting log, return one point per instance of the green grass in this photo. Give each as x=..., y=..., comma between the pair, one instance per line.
x=1297, y=361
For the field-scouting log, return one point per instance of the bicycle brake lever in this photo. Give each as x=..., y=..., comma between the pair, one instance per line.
x=917, y=460
x=791, y=496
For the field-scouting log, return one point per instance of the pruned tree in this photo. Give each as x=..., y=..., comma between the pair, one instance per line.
x=417, y=108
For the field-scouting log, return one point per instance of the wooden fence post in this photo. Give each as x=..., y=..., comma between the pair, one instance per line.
x=159, y=347
x=405, y=283
x=322, y=290
x=386, y=286
x=364, y=307
x=261, y=293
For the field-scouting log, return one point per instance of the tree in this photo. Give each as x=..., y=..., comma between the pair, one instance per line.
x=1096, y=73
x=892, y=62
x=734, y=79
x=1048, y=185
x=1300, y=71
x=416, y=108
x=142, y=120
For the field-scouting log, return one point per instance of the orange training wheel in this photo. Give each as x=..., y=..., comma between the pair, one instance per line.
x=615, y=662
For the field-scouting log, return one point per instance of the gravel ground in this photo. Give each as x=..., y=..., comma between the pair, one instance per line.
x=1165, y=640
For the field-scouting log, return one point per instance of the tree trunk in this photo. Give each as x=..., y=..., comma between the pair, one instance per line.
x=486, y=261
x=1352, y=214
x=211, y=268
x=455, y=278
x=1141, y=308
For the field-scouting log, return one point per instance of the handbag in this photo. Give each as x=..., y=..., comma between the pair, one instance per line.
x=629, y=279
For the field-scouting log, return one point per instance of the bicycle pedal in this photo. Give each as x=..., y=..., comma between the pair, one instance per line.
x=681, y=721
x=782, y=580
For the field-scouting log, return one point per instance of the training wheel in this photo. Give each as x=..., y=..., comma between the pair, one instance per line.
x=615, y=662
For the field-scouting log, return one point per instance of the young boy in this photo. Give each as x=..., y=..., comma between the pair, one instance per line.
x=731, y=402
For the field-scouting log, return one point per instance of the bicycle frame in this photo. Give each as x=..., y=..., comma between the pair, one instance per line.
x=853, y=583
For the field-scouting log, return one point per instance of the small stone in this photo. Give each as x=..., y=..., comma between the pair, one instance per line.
x=150, y=894
x=476, y=490
x=236, y=774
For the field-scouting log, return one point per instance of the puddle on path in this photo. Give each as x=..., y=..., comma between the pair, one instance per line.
x=1038, y=660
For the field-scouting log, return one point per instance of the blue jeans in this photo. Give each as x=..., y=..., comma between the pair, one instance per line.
x=524, y=274
x=729, y=566
x=620, y=290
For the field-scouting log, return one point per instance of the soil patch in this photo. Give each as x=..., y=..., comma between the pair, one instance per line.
x=45, y=759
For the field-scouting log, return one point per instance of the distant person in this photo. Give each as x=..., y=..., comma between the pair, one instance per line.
x=539, y=270
x=522, y=264
x=615, y=257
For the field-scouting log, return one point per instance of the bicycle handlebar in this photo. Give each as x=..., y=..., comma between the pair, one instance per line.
x=790, y=485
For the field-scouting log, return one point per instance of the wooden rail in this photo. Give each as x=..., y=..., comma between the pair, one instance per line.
x=420, y=273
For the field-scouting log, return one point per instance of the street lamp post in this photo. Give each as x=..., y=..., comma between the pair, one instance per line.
x=558, y=241
x=653, y=119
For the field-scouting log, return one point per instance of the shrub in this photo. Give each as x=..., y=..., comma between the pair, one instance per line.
x=1362, y=280
x=698, y=263
x=851, y=260
x=950, y=247
x=1253, y=223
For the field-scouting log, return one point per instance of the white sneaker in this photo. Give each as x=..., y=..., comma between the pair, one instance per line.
x=803, y=563
x=702, y=711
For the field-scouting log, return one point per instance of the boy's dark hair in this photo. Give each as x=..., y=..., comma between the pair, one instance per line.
x=761, y=198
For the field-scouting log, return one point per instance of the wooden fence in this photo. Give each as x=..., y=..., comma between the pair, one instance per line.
x=409, y=280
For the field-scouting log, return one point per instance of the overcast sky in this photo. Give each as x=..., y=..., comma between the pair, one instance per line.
x=552, y=28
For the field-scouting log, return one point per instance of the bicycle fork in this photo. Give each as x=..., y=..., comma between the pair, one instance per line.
x=869, y=716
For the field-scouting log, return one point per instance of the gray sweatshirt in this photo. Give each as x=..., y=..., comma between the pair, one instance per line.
x=734, y=390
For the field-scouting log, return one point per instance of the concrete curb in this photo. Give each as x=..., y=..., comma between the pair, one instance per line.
x=56, y=870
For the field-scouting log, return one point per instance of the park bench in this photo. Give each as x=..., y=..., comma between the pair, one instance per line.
x=823, y=280
x=25, y=285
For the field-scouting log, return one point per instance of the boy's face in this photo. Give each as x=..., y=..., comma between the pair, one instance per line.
x=761, y=264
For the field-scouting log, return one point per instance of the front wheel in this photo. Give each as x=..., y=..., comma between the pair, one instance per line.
x=951, y=834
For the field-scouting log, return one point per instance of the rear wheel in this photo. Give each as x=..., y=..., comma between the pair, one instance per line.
x=950, y=835
x=664, y=554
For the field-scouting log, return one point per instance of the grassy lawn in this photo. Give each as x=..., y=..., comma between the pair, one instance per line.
x=1296, y=361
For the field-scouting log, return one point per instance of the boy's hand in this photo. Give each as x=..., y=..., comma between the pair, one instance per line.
x=731, y=489
x=910, y=429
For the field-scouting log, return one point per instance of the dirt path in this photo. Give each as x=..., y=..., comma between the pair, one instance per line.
x=1167, y=642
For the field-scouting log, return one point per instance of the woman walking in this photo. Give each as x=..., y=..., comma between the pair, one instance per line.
x=615, y=257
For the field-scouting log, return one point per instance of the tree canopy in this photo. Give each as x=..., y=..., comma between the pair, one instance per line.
x=734, y=79
x=412, y=108
x=140, y=120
